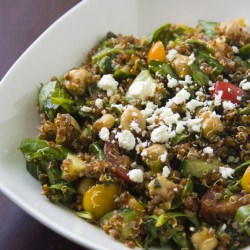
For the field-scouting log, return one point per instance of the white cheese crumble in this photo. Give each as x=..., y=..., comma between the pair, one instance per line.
x=165, y=171
x=235, y=49
x=208, y=150
x=194, y=124
x=149, y=110
x=180, y=127
x=245, y=85
x=142, y=87
x=108, y=83
x=191, y=59
x=193, y=104
x=135, y=126
x=164, y=156
x=86, y=109
x=228, y=105
x=104, y=134
x=217, y=98
x=172, y=82
x=126, y=139
x=181, y=96
x=162, y=134
x=99, y=103
x=171, y=54
x=226, y=172
x=136, y=175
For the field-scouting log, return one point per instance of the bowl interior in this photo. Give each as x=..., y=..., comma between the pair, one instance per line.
x=63, y=46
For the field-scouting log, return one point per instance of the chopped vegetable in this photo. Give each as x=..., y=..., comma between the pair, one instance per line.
x=229, y=92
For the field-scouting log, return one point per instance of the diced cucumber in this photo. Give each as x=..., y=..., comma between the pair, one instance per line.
x=199, y=168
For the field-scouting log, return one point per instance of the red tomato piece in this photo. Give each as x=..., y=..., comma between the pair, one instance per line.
x=230, y=92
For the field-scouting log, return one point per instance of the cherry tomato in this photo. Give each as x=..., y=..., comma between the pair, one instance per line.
x=230, y=92
x=157, y=52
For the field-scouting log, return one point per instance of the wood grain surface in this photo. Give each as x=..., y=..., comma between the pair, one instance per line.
x=21, y=22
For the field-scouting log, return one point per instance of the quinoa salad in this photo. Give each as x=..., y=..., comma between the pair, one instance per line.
x=149, y=138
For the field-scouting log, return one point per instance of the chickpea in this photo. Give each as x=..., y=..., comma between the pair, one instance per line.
x=154, y=156
x=204, y=240
x=106, y=120
x=162, y=187
x=76, y=81
x=132, y=114
x=211, y=125
x=180, y=65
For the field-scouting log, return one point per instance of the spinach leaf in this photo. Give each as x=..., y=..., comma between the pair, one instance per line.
x=96, y=148
x=164, y=69
x=162, y=33
x=105, y=52
x=208, y=27
x=40, y=149
x=51, y=96
x=198, y=75
x=203, y=55
x=245, y=51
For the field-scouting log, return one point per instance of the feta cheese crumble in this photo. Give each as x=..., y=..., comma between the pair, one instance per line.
x=126, y=139
x=171, y=54
x=217, y=98
x=108, y=83
x=99, y=103
x=193, y=104
x=181, y=96
x=208, y=150
x=165, y=171
x=104, y=134
x=136, y=175
x=228, y=105
x=245, y=85
x=226, y=172
x=191, y=59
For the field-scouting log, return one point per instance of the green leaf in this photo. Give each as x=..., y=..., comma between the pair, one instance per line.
x=208, y=27
x=105, y=52
x=85, y=215
x=159, y=33
x=51, y=96
x=35, y=148
x=245, y=51
x=96, y=148
x=179, y=138
x=203, y=55
x=164, y=69
x=198, y=75
x=32, y=168
x=105, y=64
x=242, y=217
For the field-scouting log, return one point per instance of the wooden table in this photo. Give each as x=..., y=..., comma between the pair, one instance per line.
x=21, y=22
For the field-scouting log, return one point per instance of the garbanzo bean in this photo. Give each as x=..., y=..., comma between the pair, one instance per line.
x=106, y=120
x=204, y=240
x=180, y=65
x=155, y=156
x=100, y=199
x=76, y=81
x=133, y=115
x=211, y=125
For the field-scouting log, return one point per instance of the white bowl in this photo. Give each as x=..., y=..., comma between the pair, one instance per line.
x=61, y=47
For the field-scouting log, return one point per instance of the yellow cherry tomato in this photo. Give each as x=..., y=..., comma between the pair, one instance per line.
x=245, y=180
x=157, y=52
x=100, y=199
